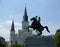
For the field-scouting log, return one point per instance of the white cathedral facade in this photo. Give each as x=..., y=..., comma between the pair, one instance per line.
x=22, y=34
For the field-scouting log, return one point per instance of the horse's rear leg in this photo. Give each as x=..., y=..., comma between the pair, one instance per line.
x=40, y=33
x=47, y=29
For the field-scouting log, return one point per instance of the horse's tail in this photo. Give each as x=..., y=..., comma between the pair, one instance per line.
x=47, y=29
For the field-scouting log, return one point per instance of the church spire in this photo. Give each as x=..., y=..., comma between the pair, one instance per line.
x=25, y=17
x=12, y=27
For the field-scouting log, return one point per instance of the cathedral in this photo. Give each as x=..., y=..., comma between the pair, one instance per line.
x=22, y=34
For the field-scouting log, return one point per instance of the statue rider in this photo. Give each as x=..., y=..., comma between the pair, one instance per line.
x=38, y=22
x=35, y=22
x=38, y=25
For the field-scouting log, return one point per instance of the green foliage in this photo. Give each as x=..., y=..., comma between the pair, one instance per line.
x=57, y=38
x=17, y=45
x=2, y=44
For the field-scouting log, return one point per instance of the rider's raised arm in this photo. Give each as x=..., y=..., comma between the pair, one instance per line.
x=39, y=19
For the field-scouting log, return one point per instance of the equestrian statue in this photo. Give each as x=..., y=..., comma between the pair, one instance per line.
x=36, y=25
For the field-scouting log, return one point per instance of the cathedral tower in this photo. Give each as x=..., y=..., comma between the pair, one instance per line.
x=25, y=22
x=12, y=33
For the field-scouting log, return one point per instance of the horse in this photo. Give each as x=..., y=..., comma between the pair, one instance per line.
x=36, y=25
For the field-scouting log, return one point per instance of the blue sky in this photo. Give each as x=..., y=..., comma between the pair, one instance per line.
x=48, y=10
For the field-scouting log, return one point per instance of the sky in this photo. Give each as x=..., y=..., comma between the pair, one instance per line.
x=48, y=10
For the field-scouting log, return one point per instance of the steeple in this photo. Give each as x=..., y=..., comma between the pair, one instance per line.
x=25, y=17
x=12, y=27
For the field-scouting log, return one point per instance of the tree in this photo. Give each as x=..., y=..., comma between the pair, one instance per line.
x=57, y=38
x=2, y=42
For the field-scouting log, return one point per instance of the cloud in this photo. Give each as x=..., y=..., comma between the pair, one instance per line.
x=11, y=16
x=9, y=22
x=5, y=31
x=1, y=26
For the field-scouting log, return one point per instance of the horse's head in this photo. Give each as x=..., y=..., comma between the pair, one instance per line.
x=34, y=19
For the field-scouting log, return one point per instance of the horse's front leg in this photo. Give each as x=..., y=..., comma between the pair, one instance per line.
x=39, y=32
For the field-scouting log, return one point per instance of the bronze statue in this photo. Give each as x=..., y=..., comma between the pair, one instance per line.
x=36, y=25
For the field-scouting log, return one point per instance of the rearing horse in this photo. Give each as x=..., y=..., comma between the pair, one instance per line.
x=36, y=25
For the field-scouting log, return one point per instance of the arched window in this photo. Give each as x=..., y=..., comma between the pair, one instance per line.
x=11, y=42
x=15, y=42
